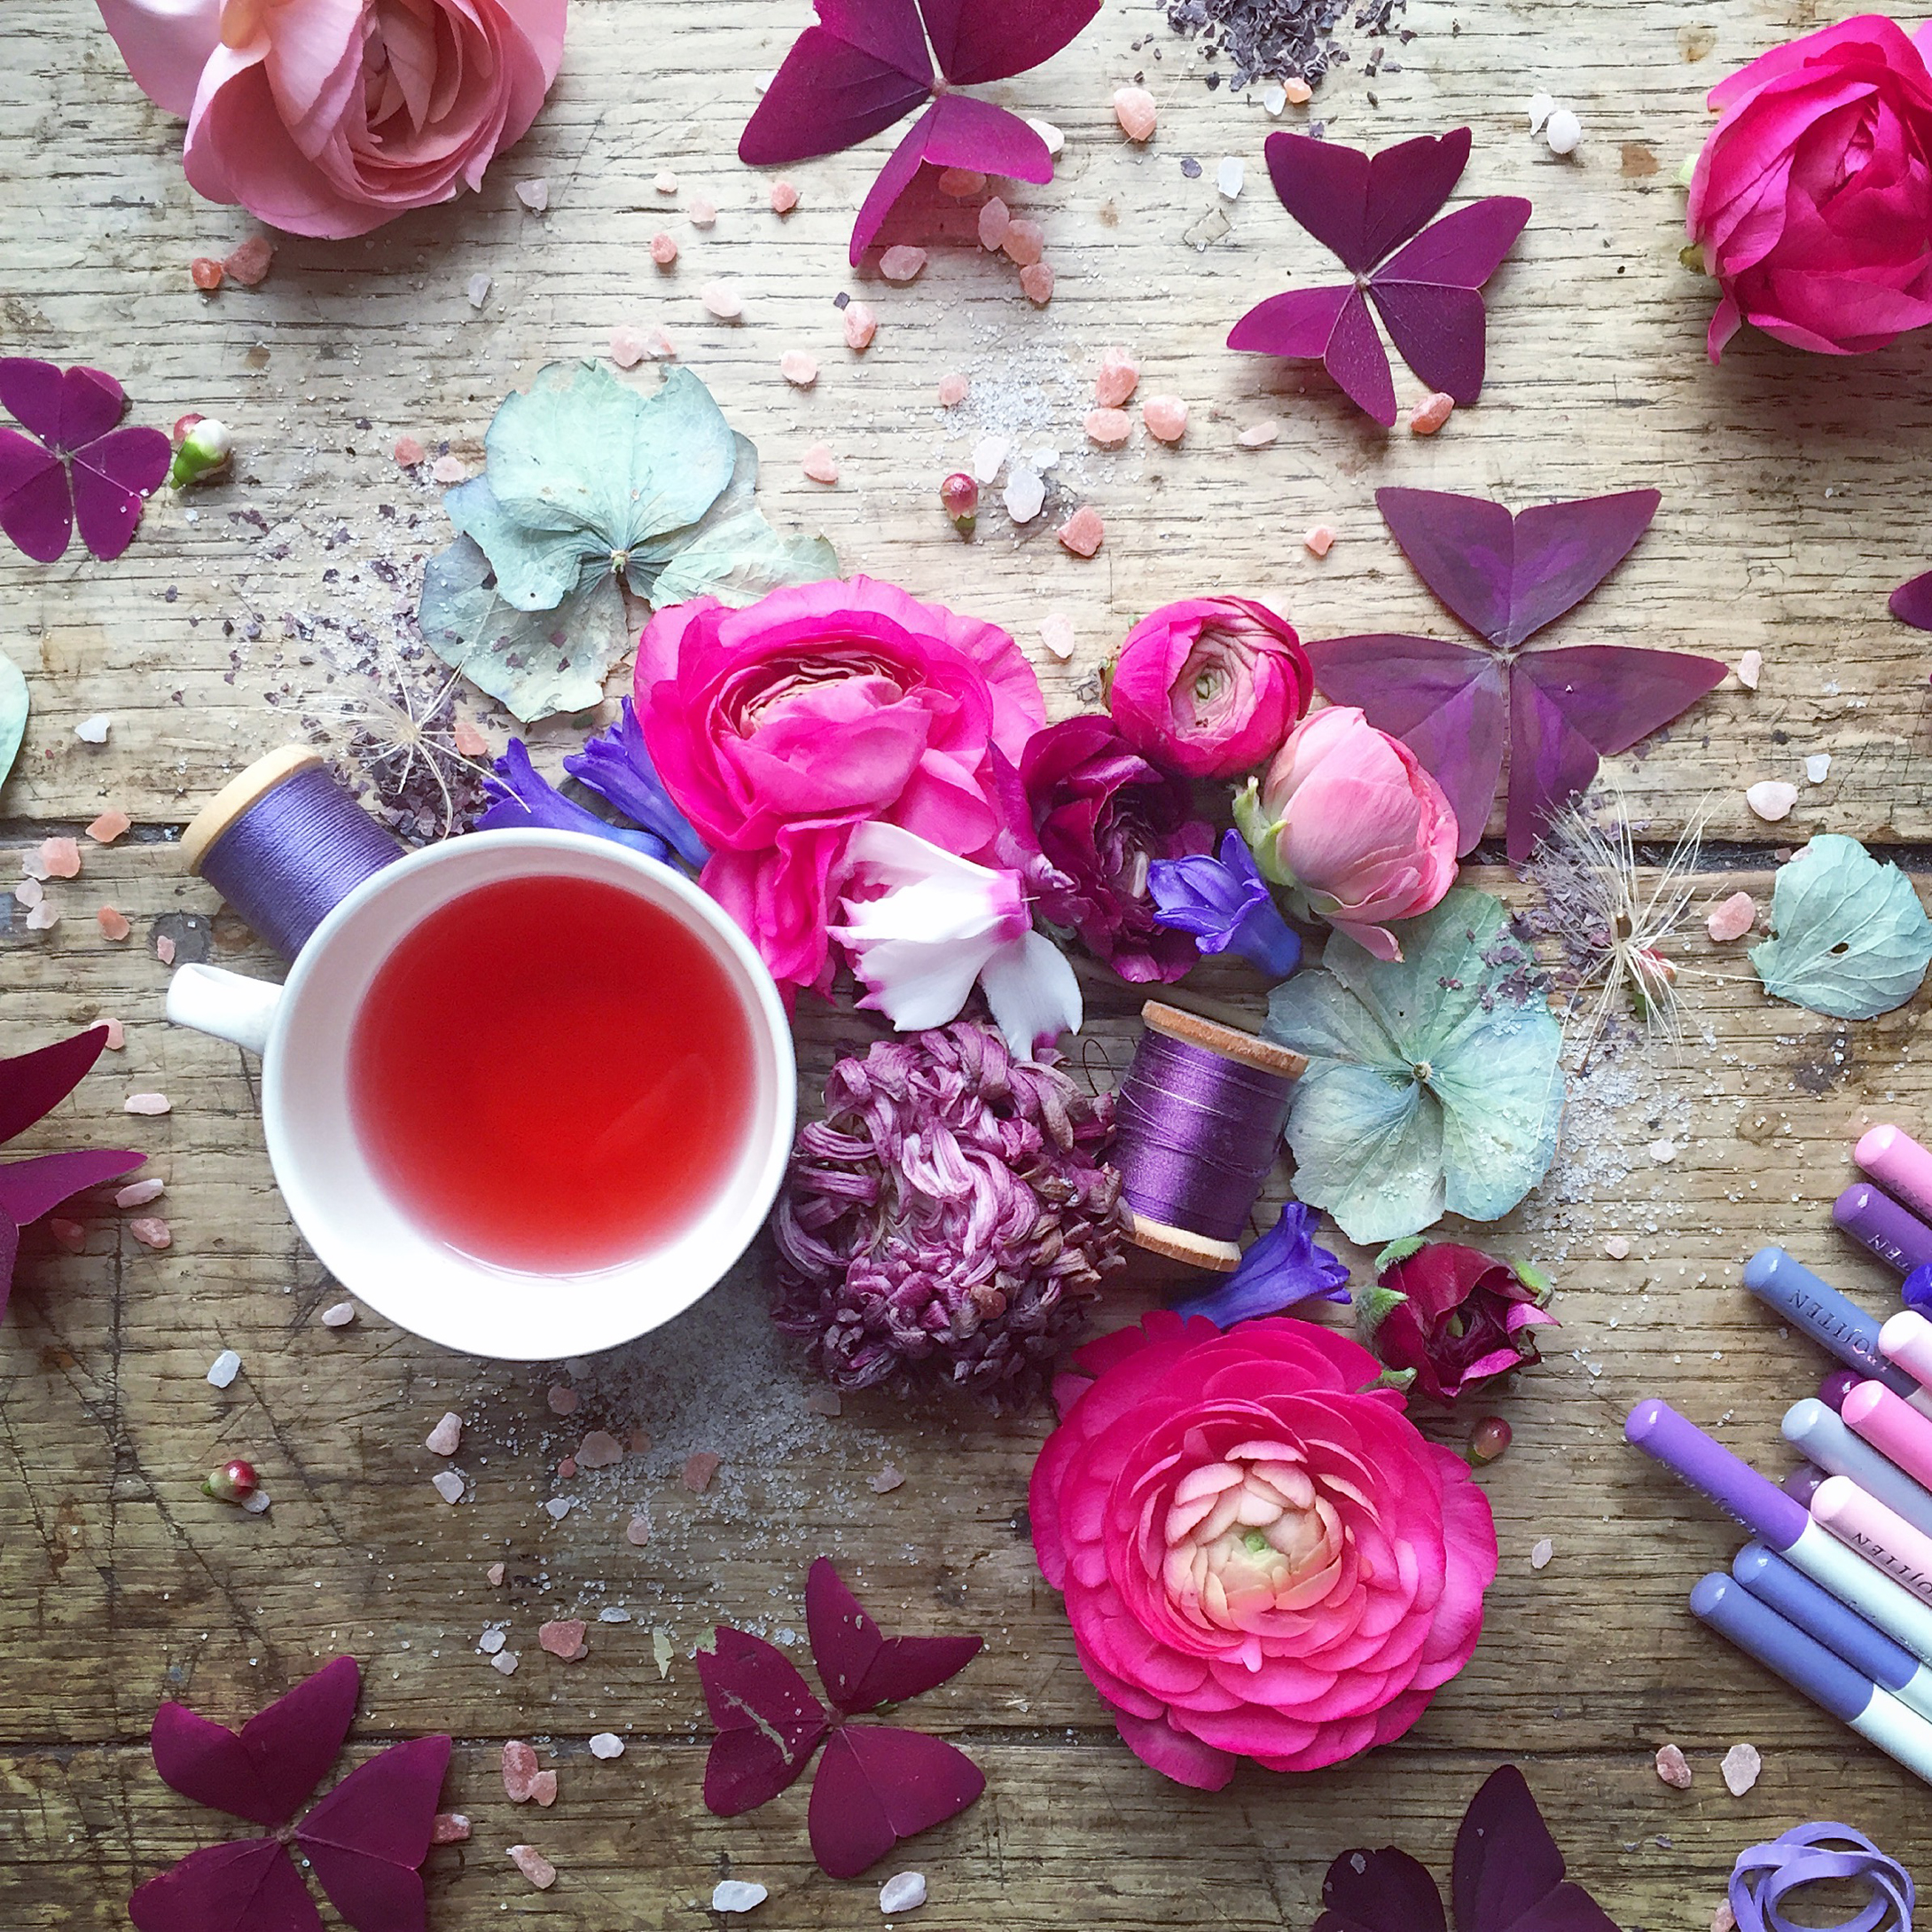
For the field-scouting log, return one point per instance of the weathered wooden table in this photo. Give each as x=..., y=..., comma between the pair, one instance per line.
x=1793, y=502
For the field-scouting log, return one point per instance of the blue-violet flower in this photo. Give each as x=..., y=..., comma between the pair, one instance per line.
x=1226, y=903
x=1283, y=1267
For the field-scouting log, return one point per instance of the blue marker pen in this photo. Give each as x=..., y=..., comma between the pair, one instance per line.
x=1816, y=1433
x=1841, y=1631
x=1808, y=1668
x=1832, y=1321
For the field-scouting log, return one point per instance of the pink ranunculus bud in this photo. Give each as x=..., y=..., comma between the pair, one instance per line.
x=1347, y=819
x=1452, y=1317
x=1812, y=197
x=1210, y=686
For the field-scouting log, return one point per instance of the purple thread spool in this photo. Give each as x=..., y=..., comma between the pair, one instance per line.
x=1198, y=1125
x=284, y=844
x=1895, y=1234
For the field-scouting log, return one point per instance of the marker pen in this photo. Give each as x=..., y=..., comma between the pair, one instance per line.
x=1842, y=1446
x=1895, y=1234
x=1816, y=1672
x=1833, y=1322
x=1906, y=1341
x=1881, y=1535
x=1801, y=1483
x=1894, y=1429
x=1898, y=1164
x=1764, y=1509
x=1917, y=1292
x=1842, y=1631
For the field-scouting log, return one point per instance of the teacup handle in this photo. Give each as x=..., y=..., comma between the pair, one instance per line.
x=229, y=1005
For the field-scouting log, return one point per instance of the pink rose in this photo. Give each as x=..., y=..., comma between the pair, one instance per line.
x=1261, y=1556
x=778, y=728
x=1349, y=820
x=329, y=117
x=1813, y=199
x=1209, y=687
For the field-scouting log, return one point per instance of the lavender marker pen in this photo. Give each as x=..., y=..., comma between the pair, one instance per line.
x=1832, y=1321
x=1844, y=1447
x=1895, y=1234
x=1898, y=1164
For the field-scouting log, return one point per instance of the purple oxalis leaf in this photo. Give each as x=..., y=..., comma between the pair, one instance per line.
x=1428, y=295
x=32, y=1085
x=977, y=40
x=769, y=1722
x=1380, y=1892
x=860, y=1666
x=35, y=1186
x=1911, y=602
x=248, y=1886
x=877, y=1785
x=368, y=1837
x=87, y=470
x=1508, y=1873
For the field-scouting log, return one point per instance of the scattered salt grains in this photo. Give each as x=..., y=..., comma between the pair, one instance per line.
x=606, y=1745
x=699, y=1466
x=723, y=300
x=339, y=1316
x=495, y=1574
x=477, y=288
x=224, y=1368
x=995, y=218
x=952, y=391
x=563, y=1400
x=109, y=826
x=627, y=348
x=663, y=249
x=150, y=1231
x=447, y=1437
x=449, y=1828
x=637, y=1531
x=1108, y=428
x=1562, y=131
x=1733, y=919
x=1672, y=1768
x=784, y=197
x=1750, y=669
x=701, y=211
x=661, y=1652
x=1740, y=1767
x=1053, y=138
x=490, y=1642
x=505, y=1661
x=1166, y=418
x=1023, y=243
x=902, y=262
x=600, y=1449
x=1319, y=541
x=1818, y=766
x=737, y=1895
x=1134, y=109
x=146, y=1103
x=820, y=465
x=68, y=1235
x=1617, y=1247
x=1083, y=532
x=112, y=923
x=1772, y=799
x=797, y=368
x=1036, y=283
x=60, y=858
x=904, y=1891
x=1539, y=110
x=861, y=325
x=1056, y=634
x=988, y=454
x=886, y=1481
x=448, y=1484
x=94, y=731
x=450, y=469
x=138, y=1194
x=1431, y=413
x=1229, y=175
x=409, y=452
x=534, y=194
x=1540, y=1552
x=1118, y=377
x=534, y=1866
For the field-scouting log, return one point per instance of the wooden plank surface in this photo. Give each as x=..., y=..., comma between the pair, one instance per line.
x=1791, y=507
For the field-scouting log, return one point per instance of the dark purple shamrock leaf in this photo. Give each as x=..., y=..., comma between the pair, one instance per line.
x=769, y=1722
x=1911, y=602
x=248, y=1885
x=1366, y=208
x=877, y=1785
x=866, y=64
x=1380, y=1892
x=368, y=1837
x=82, y=468
x=1559, y=711
x=860, y=1666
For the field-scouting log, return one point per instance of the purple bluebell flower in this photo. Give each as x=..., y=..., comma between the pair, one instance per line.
x=616, y=765
x=1226, y=904
x=1283, y=1267
x=522, y=797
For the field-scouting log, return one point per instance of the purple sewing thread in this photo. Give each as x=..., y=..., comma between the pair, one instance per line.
x=1195, y=1134
x=294, y=854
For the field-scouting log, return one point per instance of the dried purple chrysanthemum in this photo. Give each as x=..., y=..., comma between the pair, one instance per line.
x=947, y=1222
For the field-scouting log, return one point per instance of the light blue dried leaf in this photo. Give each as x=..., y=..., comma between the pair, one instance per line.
x=12, y=714
x=1434, y=1083
x=1850, y=937
x=738, y=561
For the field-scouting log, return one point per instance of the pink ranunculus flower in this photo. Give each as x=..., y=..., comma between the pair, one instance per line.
x=330, y=117
x=778, y=728
x=1347, y=819
x=1261, y=1556
x=1812, y=197
x=1208, y=687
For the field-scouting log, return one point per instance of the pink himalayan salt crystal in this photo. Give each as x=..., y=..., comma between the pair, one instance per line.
x=1772, y=799
x=960, y=183
x=563, y=1638
x=1431, y=413
x=640, y=1442
x=1298, y=90
x=627, y=347
x=112, y=923
x=138, y=1194
x=824, y=1402
x=797, y=368
x=496, y=1573
x=70, y=1235
x=29, y=892
x=450, y=469
x=447, y=1437
x=665, y=182
x=1617, y=1247
x=1750, y=669
x=534, y=194
x=567, y=1468
x=449, y=1828
x=599, y=1451
x=637, y=1530
x=206, y=273
x=1083, y=533
x=534, y=1866
x=146, y=1103
x=468, y=740
x=1134, y=109
x=1735, y=917
x=886, y=1481
x=820, y=465
x=1724, y=1920
x=117, y=1033
x=339, y=1316
x=60, y=858
x=702, y=211
x=1056, y=634
x=1741, y=1766
x=1023, y=243
x=1672, y=1768
x=1118, y=377
x=784, y=197
x=164, y=950
x=1166, y=418
x=700, y=1468
x=995, y=218
x=150, y=1231
x=1110, y=428
x=1259, y=436
x=1037, y=284
x=861, y=325
x=44, y=918
x=952, y=391
x=723, y=300
x=248, y=264
x=663, y=249
x=563, y=1400
x=1319, y=541
x=109, y=826
x=519, y=1772
x=448, y=1485
x=409, y=452
x=902, y=264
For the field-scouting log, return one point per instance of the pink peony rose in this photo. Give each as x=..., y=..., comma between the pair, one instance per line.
x=778, y=728
x=1452, y=1318
x=1209, y=687
x=1261, y=1556
x=1813, y=199
x=1349, y=820
x=329, y=117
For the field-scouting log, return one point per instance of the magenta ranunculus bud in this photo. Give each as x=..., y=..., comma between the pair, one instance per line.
x=1208, y=687
x=1347, y=819
x=1812, y=197
x=1452, y=1317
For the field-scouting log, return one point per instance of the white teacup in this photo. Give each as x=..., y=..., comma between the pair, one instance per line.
x=362, y=1233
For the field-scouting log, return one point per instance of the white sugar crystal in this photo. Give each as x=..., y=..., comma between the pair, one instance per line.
x=737, y=1895
x=1055, y=140
x=1541, y=107
x=1818, y=766
x=448, y=1485
x=505, y=1661
x=1229, y=175
x=1023, y=496
x=1750, y=669
x=1663, y=1152
x=1563, y=131
x=988, y=454
x=559, y=1507
x=477, y=288
x=904, y=1891
x=339, y=1316
x=447, y=1436
x=1541, y=1551
x=490, y=1642
x=94, y=731
x=611, y=1613
x=607, y=1744
x=1274, y=98
x=224, y=1368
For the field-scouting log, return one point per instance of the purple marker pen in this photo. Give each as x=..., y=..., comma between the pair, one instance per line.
x=1830, y=1318
x=1895, y=1234
x=1898, y=1164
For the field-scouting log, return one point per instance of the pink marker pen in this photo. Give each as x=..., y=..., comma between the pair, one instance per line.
x=1893, y=1427
x=1906, y=1341
x=1881, y=1535
x=1898, y=1164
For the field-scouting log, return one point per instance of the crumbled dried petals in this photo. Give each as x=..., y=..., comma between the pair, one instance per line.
x=109, y=826
x=799, y=368
x=1673, y=1768
x=820, y=465
x=1036, y=283
x=1108, y=427
x=861, y=325
x=698, y=1469
x=902, y=264
x=112, y=923
x=1118, y=377
x=1083, y=532
x=1733, y=918
x=1166, y=418
x=534, y=1866
x=1431, y=413
x=1134, y=109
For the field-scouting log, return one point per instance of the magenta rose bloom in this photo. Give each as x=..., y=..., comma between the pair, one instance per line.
x=778, y=728
x=1261, y=1556
x=1453, y=1317
x=1102, y=815
x=1813, y=199
x=1209, y=687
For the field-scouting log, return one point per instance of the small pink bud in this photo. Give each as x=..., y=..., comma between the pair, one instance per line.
x=960, y=496
x=1489, y=1439
x=234, y=1482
